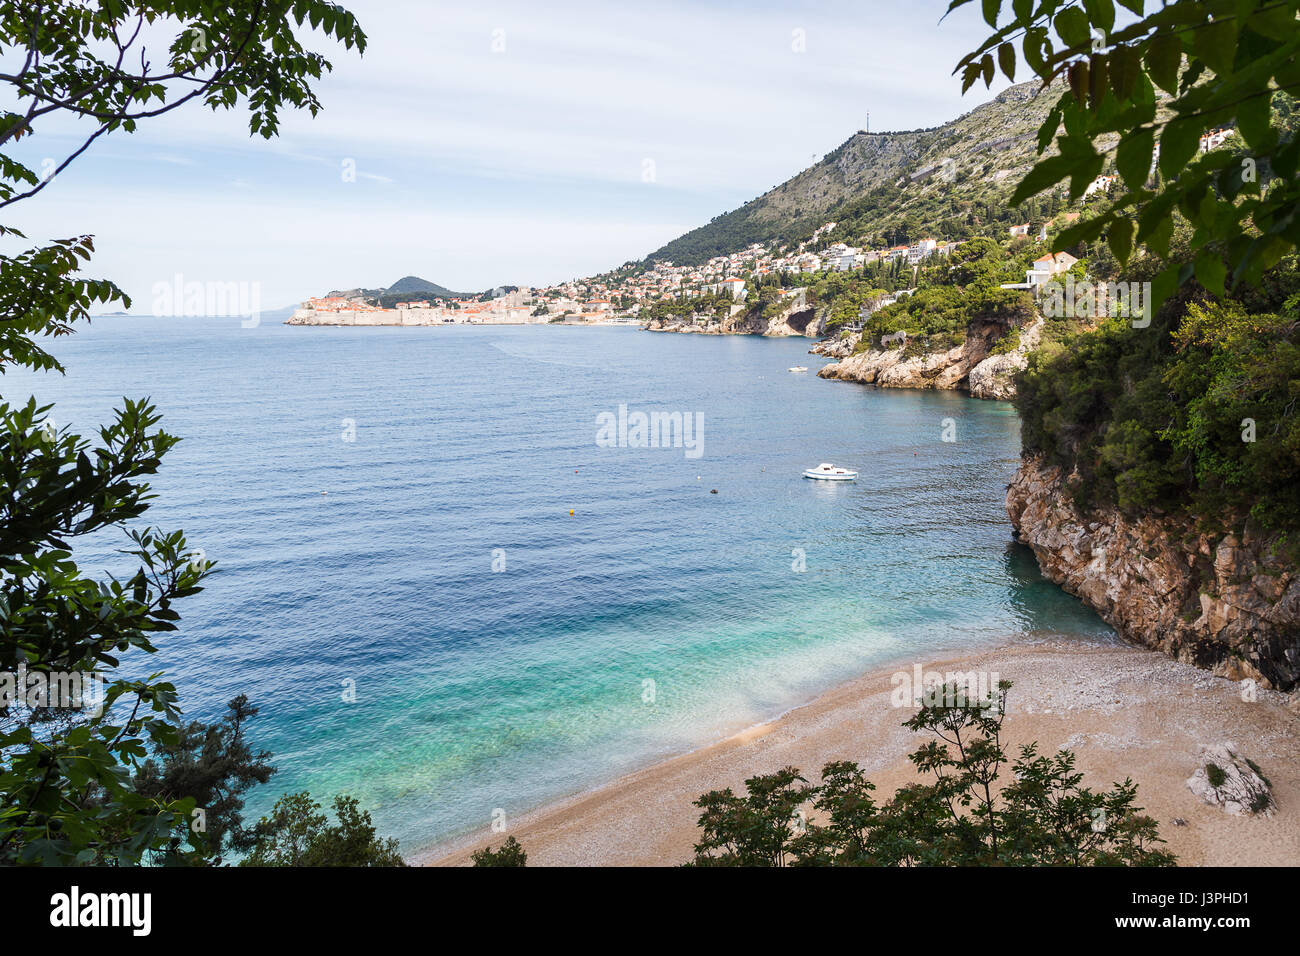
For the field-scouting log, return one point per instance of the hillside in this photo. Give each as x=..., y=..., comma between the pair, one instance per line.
x=409, y=285
x=404, y=288
x=898, y=181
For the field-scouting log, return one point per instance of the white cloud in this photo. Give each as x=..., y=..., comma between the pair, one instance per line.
x=477, y=167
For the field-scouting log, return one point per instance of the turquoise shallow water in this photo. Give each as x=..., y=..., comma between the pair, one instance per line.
x=478, y=689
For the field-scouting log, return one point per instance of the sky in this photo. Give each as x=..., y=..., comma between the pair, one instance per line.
x=490, y=143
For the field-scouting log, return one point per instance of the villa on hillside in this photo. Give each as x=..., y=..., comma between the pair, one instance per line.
x=733, y=285
x=1042, y=271
x=1214, y=139
x=1100, y=184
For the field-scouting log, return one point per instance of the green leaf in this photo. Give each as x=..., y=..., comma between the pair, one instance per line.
x=1125, y=68
x=1072, y=27
x=1253, y=118
x=1046, y=174
x=1035, y=37
x=1211, y=272
x=1133, y=158
x=1216, y=44
x=1164, y=58
x=1164, y=285
x=1161, y=235
x=1101, y=13
x=1275, y=21
x=1007, y=60
x=1178, y=144
x=1120, y=239
x=1098, y=80
x=991, y=10
x=1047, y=132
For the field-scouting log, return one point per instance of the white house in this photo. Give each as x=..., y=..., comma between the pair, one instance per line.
x=1214, y=139
x=921, y=250
x=1044, y=267
x=1100, y=184
x=733, y=285
x=841, y=257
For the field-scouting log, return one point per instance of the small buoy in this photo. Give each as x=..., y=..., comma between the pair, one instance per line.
x=697, y=477
x=324, y=492
x=570, y=512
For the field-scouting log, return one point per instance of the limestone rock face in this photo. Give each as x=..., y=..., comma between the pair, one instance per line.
x=1230, y=603
x=838, y=348
x=994, y=377
x=894, y=368
x=745, y=321
x=1228, y=780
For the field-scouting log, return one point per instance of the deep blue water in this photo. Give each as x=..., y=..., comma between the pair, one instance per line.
x=371, y=560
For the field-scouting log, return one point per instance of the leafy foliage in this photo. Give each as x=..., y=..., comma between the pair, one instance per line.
x=1196, y=414
x=214, y=765
x=297, y=833
x=1164, y=79
x=509, y=854
x=82, y=785
x=966, y=816
x=65, y=775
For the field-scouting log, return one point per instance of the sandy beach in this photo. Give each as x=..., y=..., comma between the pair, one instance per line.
x=1124, y=711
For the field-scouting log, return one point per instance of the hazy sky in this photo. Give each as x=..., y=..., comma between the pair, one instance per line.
x=497, y=143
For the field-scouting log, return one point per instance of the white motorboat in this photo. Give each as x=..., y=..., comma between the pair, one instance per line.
x=797, y=368
x=828, y=472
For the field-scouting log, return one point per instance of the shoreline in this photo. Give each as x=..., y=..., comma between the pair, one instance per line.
x=1125, y=711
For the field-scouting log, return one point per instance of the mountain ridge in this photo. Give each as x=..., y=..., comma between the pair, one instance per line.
x=973, y=158
x=411, y=283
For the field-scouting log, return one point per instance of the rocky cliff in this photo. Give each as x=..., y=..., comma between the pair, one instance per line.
x=1229, y=602
x=994, y=377
x=789, y=322
x=967, y=366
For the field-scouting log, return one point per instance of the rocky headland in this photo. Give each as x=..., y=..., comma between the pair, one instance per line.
x=1227, y=602
x=796, y=320
x=969, y=366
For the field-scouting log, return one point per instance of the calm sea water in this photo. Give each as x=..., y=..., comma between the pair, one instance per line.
x=356, y=486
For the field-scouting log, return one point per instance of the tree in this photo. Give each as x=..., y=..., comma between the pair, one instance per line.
x=64, y=769
x=297, y=833
x=214, y=765
x=68, y=772
x=758, y=829
x=510, y=854
x=1165, y=78
x=1043, y=817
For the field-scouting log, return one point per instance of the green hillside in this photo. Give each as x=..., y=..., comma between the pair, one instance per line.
x=946, y=180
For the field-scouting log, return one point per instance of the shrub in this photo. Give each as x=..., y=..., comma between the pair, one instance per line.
x=510, y=854
x=297, y=833
x=1042, y=817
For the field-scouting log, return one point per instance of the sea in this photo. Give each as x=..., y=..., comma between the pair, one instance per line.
x=455, y=591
